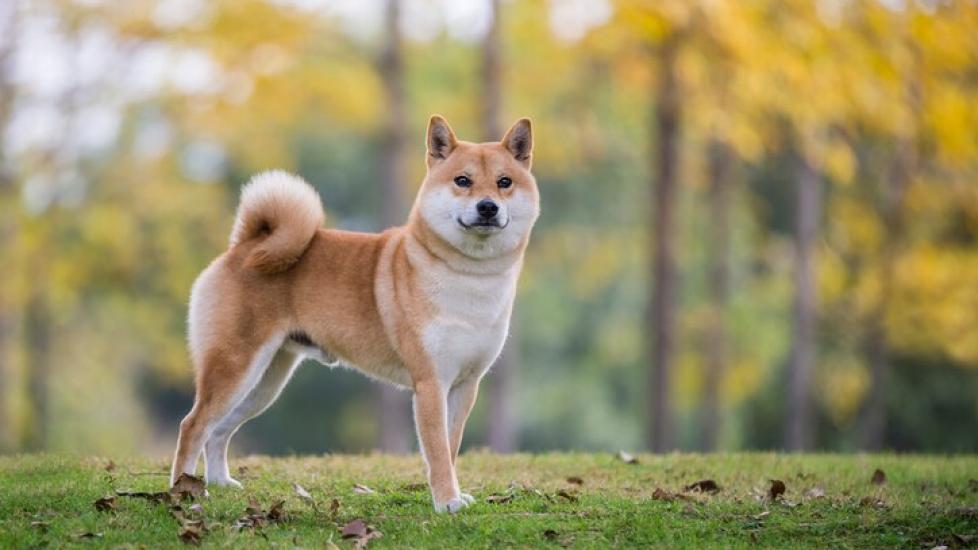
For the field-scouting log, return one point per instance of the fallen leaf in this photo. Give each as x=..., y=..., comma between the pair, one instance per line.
x=355, y=529
x=362, y=489
x=110, y=466
x=105, y=504
x=277, y=512
x=879, y=477
x=627, y=458
x=564, y=494
x=334, y=507
x=303, y=494
x=777, y=489
x=871, y=502
x=360, y=532
x=254, y=508
x=497, y=498
x=575, y=480
x=42, y=525
x=815, y=493
x=89, y=535
x=242, y=471
x=190, y=535
x=188, y=486
x=703, y=486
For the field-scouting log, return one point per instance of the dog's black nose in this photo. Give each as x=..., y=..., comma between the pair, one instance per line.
x=487, y=209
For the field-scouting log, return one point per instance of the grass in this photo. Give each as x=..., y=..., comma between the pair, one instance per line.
x=830, y=501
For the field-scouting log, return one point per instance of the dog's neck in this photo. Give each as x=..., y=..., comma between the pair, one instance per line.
x=420, y=236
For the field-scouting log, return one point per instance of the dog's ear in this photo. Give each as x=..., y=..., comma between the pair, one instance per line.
x=441, y=139
x=519, y=141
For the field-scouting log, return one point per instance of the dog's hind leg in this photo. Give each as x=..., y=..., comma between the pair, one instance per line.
x=265, y=392
x=225, y=378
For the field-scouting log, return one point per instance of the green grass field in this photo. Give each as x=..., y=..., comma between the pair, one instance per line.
x=572, y=500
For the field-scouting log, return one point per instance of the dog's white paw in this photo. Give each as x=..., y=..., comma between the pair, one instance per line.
x=451, y=506
x=225, y=482
x=469, y=499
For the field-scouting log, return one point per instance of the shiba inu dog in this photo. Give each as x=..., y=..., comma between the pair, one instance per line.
x=424, y=306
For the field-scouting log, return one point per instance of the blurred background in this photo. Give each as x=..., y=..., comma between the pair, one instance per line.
x=759, y=228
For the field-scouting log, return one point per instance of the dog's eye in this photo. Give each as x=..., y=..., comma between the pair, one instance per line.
x=504, y=182
x=463, y=181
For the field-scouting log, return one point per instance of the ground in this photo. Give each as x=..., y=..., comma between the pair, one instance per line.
x=574, y=500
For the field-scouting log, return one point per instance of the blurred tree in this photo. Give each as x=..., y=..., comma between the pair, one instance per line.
x=663, y=296
x=502, y=429
x=393, y=403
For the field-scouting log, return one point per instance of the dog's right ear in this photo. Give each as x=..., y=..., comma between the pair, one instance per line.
x=441, y=139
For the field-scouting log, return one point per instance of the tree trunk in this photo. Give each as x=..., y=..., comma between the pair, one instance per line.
x=502, y=436
x=799, y=427
x=719, y=290
x=8, y=222
x=37, y=326
x=394, y=405
x=662, y=304
x=873, y=421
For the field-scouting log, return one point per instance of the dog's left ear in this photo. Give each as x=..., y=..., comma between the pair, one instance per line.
x=441, y=139
x=519, y=141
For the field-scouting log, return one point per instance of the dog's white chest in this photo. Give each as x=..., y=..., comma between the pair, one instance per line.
x=470, y=325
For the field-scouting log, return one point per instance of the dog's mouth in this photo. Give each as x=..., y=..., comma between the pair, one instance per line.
x=483, y=226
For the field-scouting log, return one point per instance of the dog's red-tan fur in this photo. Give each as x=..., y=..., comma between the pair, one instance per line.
x=424, y=306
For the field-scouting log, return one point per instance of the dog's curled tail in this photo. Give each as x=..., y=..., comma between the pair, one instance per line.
x=280, y=210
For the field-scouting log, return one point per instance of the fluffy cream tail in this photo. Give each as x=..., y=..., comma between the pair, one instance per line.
x=283, y=212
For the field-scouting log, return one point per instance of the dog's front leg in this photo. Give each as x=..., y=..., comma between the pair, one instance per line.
x=431, y=420
x=461, y=399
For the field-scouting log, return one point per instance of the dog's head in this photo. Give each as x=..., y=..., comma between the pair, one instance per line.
x=480, y=197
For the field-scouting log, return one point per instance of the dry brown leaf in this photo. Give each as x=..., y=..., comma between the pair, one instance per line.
x=155, y=498
x=110, y=467
x=362, y=489
x=777, y=489
x=277, y=512
x=355, y=529
x=254, y=508
x=190, y=535
x=569, y=496
x=334, y=507
x=302, y=492
x=815, y=493
x=497, y=498
x=575, y=480
x=879, y=477
x=105, y=504
x=188, y=486
x=627, y=458
x=703, y=486
x=661, y=494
